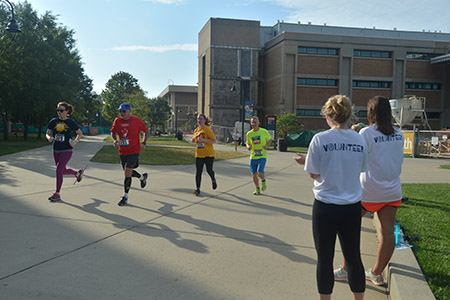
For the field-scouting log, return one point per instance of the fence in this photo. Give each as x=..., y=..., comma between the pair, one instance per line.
x=432, y=143
x=222, y=133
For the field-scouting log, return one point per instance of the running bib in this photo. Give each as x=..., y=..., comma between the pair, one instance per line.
x=200, y=145
x=124, y=142
x=60, y=137
x=258, y=152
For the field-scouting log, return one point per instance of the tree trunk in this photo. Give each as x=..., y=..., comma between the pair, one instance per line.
x=5, y=118
x=25, y=130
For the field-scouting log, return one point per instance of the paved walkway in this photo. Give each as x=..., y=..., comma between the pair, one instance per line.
x=167, y=243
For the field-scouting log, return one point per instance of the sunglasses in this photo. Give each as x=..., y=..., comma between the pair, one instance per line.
x=122, y=111
x=60, y=110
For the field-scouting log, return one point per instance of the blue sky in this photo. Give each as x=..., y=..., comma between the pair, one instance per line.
x=156, y=40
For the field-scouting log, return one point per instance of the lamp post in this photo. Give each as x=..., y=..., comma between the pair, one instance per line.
x=176, y=119
x=12, y=25
x=242, y=104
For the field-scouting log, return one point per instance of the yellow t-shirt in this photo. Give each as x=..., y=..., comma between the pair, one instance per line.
x=204, y=149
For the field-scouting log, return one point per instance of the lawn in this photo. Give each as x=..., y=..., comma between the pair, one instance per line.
x=18, y=144
x=427, y=215
x=163, y=140
x=153, y=155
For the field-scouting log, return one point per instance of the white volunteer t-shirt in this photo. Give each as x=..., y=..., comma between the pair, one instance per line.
x=338, y=156
x=381, y=181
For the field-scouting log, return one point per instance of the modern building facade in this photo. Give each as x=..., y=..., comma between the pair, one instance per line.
x=295, y=68
x=183, y=100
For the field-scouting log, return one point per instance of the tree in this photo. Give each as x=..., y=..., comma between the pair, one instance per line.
x=288, y=122
x=160, y=112
x=118, y=88
x=39, y=68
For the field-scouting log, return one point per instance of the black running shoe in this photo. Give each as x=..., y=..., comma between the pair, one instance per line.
x=54, y=198
x=123, y=201
x=79, y=175
x=144, y=181
x=214, y=185
x=196, y=192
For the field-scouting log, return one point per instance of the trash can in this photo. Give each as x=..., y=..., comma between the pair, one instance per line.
x=179, y=135
x=282, y=145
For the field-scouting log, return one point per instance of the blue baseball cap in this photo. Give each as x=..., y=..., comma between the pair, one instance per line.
x=124, y=106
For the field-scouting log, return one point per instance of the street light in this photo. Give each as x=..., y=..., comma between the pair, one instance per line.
x=12, y=25
x=176, y=119
x=241, y=100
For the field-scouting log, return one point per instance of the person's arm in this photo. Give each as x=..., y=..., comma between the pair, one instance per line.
x=313, y=176
x=144, y=142
x=301, y=159
x=77, y=139
x=266, y=146
x=203, y=140
x=49, y=135
x=115, y=141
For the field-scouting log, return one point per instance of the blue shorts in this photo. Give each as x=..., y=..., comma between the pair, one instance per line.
x=257, y=165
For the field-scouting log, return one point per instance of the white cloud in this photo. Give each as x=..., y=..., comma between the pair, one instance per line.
x=157, y=49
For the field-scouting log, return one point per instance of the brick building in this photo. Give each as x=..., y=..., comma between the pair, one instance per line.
x=183, y=100
x=295, y=67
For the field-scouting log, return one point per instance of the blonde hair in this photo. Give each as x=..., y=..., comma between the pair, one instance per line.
x=338, y=108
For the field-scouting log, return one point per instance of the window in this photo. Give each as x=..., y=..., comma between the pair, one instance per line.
x=316, y=82
x=361, y=114
x=308, y=113
x=372, y=84
x=319, y=51
x=374, y=54
x=245, y=63
x=433, y=115
x=422, y=86
x=420, y=56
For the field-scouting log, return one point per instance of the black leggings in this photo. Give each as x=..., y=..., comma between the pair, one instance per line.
x=344, y=221
x=199, y=162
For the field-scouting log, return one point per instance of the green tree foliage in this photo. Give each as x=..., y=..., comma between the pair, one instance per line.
x=121, y=87
x=288, y=122
x=39, y=68
x=160, y=112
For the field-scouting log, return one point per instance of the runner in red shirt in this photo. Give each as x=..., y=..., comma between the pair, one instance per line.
x=128, y=128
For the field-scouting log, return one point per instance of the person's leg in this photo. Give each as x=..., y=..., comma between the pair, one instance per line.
x=256, y=180
x=386, y=247
x=209, y=162
x=67, y=156
x=199, y=162
x=363, y=213
x=324, y=220
x=62, y=159
x=261, y=167
x=349, y=232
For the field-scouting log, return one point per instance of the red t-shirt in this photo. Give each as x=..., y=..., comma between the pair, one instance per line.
x=129, y=134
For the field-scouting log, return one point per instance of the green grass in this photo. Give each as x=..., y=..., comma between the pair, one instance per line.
x=298, y=149
x=427, y=215
x=445, y=167
x=163, y=140
x=18, y=144
x=162, y=155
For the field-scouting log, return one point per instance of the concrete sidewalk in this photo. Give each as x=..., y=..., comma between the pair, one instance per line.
x=167, y=243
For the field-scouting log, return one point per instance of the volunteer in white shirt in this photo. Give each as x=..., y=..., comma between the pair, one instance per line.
x=335, y=159
x=382, y=190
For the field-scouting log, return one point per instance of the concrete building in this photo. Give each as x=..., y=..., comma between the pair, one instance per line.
x=183, y=100
x=294, y=68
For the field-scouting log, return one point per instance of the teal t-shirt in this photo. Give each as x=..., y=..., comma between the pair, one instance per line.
x=258, y=139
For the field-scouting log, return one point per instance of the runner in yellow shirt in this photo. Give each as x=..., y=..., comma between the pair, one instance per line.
x=204, y=153
x=258, y=141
